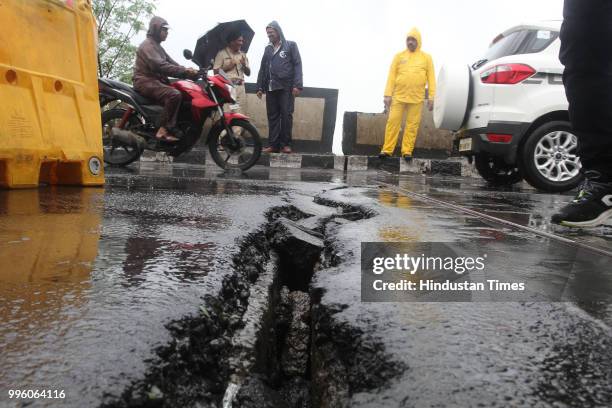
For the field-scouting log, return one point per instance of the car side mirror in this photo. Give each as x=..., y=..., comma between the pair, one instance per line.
x=187, y=54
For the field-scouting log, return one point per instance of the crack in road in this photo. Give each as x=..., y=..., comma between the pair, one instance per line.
x=264, y=340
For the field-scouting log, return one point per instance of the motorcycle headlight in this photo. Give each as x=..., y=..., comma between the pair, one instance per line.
x=232, y=91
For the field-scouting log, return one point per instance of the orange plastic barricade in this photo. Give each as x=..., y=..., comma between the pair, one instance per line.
x=50, y=129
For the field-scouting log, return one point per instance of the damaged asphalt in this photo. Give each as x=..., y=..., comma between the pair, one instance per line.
x=183, y=286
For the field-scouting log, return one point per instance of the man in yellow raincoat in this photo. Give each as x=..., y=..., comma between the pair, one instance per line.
x=410, y=71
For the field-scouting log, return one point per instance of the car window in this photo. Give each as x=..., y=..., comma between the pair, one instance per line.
x=521, y=42
x=537, y=40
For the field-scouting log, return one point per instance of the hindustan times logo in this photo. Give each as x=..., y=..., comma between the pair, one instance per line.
x=412, y=264
x=438, y=272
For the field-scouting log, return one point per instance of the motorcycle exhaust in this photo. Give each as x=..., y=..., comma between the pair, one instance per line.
x=128, y=138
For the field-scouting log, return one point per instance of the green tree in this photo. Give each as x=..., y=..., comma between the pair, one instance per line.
x=118, y=22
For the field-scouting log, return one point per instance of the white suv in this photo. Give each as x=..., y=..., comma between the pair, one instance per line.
x=510, y=110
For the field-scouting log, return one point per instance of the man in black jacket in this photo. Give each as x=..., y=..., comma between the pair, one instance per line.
x=280, y=78
x=586, y=38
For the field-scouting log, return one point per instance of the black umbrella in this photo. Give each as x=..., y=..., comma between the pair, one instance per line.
x=209, y=44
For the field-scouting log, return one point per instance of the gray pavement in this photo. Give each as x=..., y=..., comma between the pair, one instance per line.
x=91, y=276
x=465, y=354
x=101, y=289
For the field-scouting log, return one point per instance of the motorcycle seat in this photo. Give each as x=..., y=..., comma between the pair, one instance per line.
x=139, y=99
x=142, y=101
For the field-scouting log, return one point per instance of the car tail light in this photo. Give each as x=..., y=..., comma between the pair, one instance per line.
x=499, y=138
x=508, y=74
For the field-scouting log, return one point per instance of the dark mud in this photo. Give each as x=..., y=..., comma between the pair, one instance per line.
x=299, y=358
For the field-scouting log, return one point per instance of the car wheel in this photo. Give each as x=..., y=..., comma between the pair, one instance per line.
x=495, y=171
x=549, y=158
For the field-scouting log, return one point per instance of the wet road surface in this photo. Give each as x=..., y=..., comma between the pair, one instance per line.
x=90, y=277
x=520, y=204
x=471, y=354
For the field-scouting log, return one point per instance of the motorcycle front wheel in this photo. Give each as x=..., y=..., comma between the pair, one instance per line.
x=241, y=153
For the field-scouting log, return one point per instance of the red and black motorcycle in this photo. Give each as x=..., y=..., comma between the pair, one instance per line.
x=129, y=127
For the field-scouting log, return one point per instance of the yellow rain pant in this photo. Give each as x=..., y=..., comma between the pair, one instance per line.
x=394, y=123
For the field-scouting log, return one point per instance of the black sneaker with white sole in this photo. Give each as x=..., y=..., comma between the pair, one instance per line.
x=591, y=207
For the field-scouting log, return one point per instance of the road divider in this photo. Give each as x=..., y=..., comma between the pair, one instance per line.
x=50, y=128
x=364, y=134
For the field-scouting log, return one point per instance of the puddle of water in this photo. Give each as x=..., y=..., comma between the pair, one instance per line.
x=518, y=204
x=48, y=246
x=90, y=277
x=564, y=271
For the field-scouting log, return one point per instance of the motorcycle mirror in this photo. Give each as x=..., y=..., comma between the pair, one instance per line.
x=187, y=54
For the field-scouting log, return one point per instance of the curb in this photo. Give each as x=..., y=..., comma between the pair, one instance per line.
x=453, y=166
x=156, y=157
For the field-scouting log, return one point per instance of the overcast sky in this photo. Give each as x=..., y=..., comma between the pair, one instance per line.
x=349, y=44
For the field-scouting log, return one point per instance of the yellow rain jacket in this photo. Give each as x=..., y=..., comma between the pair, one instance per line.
x=409, y=73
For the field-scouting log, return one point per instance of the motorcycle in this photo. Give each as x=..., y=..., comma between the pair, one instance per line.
x=130, y=124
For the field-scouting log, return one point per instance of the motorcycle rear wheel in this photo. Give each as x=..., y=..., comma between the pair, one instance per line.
x=115, y=152
x=245, y=156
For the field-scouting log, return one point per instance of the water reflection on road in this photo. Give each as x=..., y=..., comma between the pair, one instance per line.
x=90, y=277
x=48, y=245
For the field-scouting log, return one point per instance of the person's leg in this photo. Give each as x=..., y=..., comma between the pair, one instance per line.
x=239, y=107
x=290, y=109
x=394, y=122
x=274, y=119
x=169, y=98
x=172, y=103
x=586, y=36
x=286, y=104
x=241, y=100
x=413, y=120
x=590, y=107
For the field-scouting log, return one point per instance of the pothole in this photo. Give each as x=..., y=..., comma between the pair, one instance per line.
x=265, y=340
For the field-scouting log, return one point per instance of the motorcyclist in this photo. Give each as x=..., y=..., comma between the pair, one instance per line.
x=152, y=68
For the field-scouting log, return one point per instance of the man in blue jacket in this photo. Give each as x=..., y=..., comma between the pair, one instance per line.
x=280, y=78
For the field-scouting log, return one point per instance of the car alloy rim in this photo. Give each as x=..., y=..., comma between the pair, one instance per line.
x=555, y=156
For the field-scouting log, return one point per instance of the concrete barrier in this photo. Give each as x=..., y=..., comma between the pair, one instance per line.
x=364, y=134
x=451, y=166
x=314, y=118
x=50, y=128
